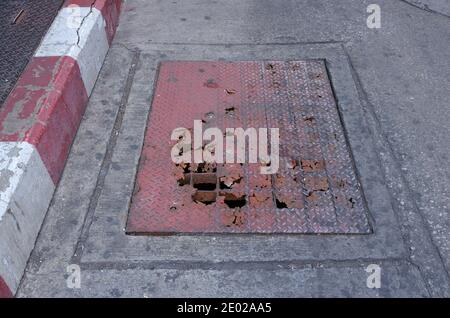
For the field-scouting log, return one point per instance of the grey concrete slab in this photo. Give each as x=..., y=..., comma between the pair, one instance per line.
x=391, y=90
x=399, y=280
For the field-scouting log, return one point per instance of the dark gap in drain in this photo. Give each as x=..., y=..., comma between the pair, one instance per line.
x=206, y=198
x=233, y=201
x=204, y=181
x=352, y=202
x=280, y=204
x=230, y=110
x=223, y=186
x=205, y=186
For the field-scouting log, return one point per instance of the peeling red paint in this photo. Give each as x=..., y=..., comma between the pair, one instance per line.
x=5, y=292
x=45, y=109
x=312, y=165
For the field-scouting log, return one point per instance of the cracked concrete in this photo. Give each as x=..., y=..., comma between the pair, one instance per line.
x=82, y=21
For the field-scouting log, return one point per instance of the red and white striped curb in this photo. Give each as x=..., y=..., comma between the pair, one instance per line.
x=39, y=121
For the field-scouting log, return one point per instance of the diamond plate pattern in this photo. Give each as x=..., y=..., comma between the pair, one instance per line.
x=315, y=190
x=19, y=40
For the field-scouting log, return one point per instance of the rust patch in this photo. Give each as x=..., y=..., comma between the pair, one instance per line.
x=233, y=219
x=314, y=183
x=312, y=165
x=259, y=199
x=230, y=91
x=288, y=201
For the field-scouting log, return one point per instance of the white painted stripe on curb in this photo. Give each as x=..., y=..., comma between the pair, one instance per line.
x=78, y=32
x=25, y=193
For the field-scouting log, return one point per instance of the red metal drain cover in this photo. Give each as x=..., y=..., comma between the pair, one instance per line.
x=315, y=189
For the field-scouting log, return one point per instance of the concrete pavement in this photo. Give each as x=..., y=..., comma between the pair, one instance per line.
x=391, y=86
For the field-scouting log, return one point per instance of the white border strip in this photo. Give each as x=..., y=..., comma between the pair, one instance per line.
x=26, y=189
x=78, y=32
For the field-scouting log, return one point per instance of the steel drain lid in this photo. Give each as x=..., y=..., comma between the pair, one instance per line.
x=315, y=189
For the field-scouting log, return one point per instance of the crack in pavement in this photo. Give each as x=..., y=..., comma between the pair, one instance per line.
x=424, y=7
x=82, y=21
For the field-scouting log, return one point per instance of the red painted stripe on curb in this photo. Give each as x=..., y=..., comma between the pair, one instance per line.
x=45, y=109
x=46, y=106
x=5, y=292
x=110, y=10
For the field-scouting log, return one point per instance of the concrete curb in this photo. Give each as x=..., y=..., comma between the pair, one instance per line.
x=39, y=120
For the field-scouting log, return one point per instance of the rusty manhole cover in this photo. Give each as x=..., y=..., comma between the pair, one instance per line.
x=314, y=190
